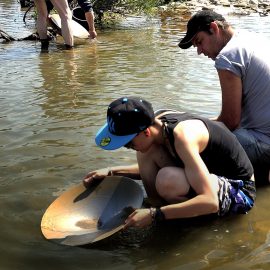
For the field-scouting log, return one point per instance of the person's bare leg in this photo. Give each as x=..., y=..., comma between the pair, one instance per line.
x=41, y=24
x=172, y=184
x=174, y=187
x=66, y=17
x=149, y=165
x=163, y=179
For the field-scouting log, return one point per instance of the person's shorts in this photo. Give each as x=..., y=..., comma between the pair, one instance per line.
x=235, y=196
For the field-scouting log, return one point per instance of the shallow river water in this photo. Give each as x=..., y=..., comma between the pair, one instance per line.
x=51, y=106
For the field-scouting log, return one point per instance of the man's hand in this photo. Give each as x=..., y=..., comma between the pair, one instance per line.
x=92, y=34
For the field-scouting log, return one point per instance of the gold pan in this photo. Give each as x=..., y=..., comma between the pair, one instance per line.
x=85, y=215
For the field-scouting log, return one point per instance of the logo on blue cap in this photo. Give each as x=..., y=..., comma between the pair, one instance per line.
x=105, y=141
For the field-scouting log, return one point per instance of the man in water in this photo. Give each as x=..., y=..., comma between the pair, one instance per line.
x=242, y=60
x=189, y=165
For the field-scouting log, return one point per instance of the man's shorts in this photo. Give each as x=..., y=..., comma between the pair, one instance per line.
x=235, y=196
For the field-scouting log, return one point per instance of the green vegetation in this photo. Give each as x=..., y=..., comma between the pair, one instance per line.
x=110, y=12
x=145, y=6
x=128, y=6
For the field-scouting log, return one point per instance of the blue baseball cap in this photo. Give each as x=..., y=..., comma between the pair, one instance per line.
x=126, y=117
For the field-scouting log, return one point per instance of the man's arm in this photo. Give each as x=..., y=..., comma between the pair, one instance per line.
x=91, y=24
x=231, y=87
x=89, y=16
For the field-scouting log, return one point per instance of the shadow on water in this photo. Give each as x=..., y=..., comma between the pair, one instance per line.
x=51, y=107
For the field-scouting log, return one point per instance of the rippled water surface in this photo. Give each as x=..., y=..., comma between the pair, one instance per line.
x=51, y=106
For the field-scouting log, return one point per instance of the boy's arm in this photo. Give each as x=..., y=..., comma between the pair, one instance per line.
x=191, y=138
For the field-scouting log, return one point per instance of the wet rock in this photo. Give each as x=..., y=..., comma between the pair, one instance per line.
x=239, y=7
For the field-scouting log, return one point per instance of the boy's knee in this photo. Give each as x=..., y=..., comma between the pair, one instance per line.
x=171, y=183
x=163, y=185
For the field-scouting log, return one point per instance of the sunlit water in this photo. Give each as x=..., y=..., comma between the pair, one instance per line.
x=51, y=106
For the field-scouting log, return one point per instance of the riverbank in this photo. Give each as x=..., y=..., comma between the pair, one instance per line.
x=237, y=7
x=185, y=9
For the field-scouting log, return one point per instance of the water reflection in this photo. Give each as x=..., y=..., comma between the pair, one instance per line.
x=51, y=106
x=62, y=80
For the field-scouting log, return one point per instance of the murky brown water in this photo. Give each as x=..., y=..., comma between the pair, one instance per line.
x=52, y=105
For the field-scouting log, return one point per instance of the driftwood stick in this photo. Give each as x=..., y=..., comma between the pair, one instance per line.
x=6, y=36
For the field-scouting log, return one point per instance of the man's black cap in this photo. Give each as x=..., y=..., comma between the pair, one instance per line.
x=199, y=22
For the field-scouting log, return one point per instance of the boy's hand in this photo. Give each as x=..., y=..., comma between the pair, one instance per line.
x=93, y=176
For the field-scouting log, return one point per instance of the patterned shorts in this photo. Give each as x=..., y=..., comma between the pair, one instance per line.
x=235, y=196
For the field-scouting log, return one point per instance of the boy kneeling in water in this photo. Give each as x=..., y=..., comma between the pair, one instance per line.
x=189, y=165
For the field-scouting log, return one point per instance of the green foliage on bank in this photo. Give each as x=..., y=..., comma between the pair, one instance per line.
x=112, y=11
x=143, y=5
x=127, y=6
x=109, y=12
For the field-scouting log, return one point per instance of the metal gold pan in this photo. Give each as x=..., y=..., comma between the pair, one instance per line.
x=82, y=216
